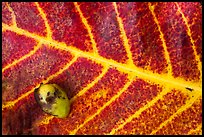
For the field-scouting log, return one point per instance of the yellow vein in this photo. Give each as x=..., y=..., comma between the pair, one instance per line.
x=45, y=121
x=166, y=54
x=199, y=65
x=11, y=104
x=198, y=128
x=188, y=104
x=138, y=113
x=62, y=70
x=12, y=14
x=3, y=29
x=49, y=32
x=163, y=79
x=15, y=62
x=84, y=20
x=123, y=35
x=104, y=106
x=104, y=71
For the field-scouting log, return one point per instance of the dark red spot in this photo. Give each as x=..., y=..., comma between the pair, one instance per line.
x=48, y=93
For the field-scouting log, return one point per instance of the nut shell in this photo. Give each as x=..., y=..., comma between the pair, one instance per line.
x=53, y=100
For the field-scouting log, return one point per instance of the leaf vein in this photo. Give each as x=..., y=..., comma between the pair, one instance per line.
x=166, y=54
x=43, y=15
x=138, y=112
x=162, y=79
x=123, y=36
x=12, y=14
x=15, y=62
x=104, y=106
x=104, y=71
x=11, y=104
x=85, y=22
x=188, y=104
x=199, y=64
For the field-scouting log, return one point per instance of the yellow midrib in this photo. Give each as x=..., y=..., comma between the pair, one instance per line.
x=163, y=79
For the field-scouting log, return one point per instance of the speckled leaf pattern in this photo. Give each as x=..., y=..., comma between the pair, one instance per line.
x=127, y=68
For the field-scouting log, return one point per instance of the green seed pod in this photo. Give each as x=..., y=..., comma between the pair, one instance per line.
x=52, y=100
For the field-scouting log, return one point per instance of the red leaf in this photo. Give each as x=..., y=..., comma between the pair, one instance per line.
x=127, y=68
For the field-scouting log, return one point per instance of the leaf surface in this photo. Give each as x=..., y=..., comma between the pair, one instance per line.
x=128, y=68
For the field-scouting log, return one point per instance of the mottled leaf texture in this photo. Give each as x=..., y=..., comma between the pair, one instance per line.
x=127, y=68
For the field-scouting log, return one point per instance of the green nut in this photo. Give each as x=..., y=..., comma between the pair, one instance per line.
x=53, y=100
